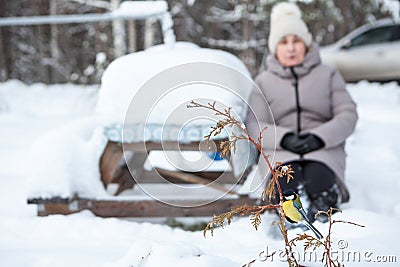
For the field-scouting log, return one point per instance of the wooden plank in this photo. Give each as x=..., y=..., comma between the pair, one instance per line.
x=194, y=179
x=141, y=208
x=151, y=177
x=109, y=162
x=205, y=145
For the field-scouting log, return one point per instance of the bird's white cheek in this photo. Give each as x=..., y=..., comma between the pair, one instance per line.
x=289, y=197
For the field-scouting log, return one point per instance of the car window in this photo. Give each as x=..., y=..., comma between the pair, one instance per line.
x=377, y=35
x=396, y=35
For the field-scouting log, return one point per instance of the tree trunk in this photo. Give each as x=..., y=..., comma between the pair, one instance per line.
x=118, y=32
x=148, y=32
x=132, y=36
x=56, y=77
x=247, y=55
x=3, y=67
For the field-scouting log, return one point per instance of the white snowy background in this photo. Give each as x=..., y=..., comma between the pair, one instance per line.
x=39, y=121
x=29, y=113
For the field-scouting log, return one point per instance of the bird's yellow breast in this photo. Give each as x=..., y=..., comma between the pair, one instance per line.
x=291, y=212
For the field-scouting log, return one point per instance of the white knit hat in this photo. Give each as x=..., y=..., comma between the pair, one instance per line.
x=286, y=20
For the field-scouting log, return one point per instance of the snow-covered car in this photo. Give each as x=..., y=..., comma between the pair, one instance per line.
x=371, y=52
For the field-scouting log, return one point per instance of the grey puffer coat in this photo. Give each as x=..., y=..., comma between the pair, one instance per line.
x=323, y=107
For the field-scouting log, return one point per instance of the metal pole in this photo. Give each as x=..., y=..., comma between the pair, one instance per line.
x=65, y=19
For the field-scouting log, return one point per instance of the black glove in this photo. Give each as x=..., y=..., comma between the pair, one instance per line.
x=290, y=141
x=309, y=142
x=301, y=144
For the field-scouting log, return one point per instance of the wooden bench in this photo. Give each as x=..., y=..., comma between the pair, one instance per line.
x=115, y=171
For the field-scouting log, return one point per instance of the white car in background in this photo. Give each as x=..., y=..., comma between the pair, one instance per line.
x=371, y=52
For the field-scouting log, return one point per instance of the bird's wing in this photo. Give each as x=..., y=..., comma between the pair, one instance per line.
x=306, y=222
x=301, y=210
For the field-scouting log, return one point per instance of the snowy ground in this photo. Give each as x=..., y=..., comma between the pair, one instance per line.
x=26, y=113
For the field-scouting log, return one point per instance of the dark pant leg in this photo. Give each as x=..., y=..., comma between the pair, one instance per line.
x=318, y=177
x=321, y=188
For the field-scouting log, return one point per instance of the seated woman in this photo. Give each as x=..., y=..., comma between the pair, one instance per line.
x=312, y=112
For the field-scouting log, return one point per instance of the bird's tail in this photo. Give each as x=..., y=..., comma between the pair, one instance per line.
x=312, y=228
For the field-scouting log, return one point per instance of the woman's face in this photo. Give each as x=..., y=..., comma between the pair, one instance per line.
x=290, y=51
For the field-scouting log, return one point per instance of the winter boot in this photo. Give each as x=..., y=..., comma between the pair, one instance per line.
x=322, y=201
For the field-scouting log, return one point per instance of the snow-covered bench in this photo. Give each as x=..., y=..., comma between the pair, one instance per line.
x=143, y=134
x=145, y=94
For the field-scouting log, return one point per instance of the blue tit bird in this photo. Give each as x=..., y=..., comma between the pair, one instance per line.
x=294, y=211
